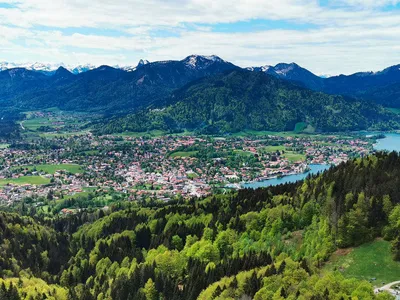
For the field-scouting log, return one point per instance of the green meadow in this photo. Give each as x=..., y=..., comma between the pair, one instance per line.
x=34, y=180
x=183, y=154
x=51, y=169
x=371, y=260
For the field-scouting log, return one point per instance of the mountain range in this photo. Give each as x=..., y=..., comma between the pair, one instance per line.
x=49, y=69
x=105, y=88
x=238, y=100
x=191, y=90
x=380, y=87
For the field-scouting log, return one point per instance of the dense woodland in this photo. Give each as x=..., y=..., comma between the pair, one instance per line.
x=104, y=89
x=239, y=99
x=261, y=244
x=207, y=95
x=8, y=123
x=379, y=87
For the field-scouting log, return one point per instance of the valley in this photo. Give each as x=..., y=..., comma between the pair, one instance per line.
x=59, y=158
x=128, y=185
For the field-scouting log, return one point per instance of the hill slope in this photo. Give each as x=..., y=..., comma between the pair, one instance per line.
x=251, y=244
x=104, y=88
x=380, y=87
x=241, y=99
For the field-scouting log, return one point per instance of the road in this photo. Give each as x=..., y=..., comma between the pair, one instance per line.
x=388, y=289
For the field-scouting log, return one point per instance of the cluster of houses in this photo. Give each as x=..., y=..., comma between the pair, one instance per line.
x=154, y=166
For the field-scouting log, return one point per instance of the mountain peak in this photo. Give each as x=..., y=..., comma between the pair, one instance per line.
x=61, y=71
x=143, y=62
x=201, y=61
x=283, y=69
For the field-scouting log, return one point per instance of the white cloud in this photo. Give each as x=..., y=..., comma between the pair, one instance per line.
x=346, y=36
x=137, y=13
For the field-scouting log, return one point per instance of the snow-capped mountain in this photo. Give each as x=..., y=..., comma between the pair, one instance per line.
x=198, y=62
x=40, y=67
x=6, y=65
x=292, y=72
x=46, y=68
x=142, y=62
x=265, y=68
x=81, y=68
x=201, y=62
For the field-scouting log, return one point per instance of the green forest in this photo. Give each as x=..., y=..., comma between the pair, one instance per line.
x=251, y=244
x=239, y=100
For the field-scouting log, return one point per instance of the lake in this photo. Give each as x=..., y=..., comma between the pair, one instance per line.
x=314, y=169
x=390, y=143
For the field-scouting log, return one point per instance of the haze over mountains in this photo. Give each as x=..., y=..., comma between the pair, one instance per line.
x=202, y=92
x=49, y=69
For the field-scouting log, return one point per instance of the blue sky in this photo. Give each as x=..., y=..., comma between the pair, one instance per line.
x=327, y=37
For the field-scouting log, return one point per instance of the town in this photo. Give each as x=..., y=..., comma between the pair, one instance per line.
x=164, y=167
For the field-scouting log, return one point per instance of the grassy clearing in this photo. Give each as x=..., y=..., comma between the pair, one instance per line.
x=85, y=193
x=274, y=148
x=34, y=124
x=4, y=146
x=34, y=180
x=62, y=134
x=293, y=157
x=192, y=175
x=372, y=260
x=290, y=155
x=183, y=154
x=394, y=110
x=51, y=169
x=274, y=133
x=152, y=133
x=243, y=153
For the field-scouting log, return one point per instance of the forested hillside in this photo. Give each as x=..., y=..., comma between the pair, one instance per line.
x=8, y=123
x=104, y=89
x=261, y=244
x=380, y=87
x=240, y=99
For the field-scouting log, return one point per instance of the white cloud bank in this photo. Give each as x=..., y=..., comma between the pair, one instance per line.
x=341, y=37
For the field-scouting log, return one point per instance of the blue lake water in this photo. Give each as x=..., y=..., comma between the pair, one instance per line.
x=314, y=169
x=390, y=143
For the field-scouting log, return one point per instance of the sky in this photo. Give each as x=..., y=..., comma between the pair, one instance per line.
x=325, y=36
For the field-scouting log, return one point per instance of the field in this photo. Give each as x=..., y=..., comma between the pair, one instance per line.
x=290, y=155
x=394, y=110
x=34, y=124
x=152, y=133
x=243, y=153
x=34, y=180
x=4, y=146
x=51, y=169
x=372, y=260
x=52, y=135
x=274, y=148
x=85, y=193
x=264, y=133
x=293, y=157
x=55, y=123
x=183, y=154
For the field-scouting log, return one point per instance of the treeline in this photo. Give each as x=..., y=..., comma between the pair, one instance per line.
x=8, y=123
x=261, y=244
